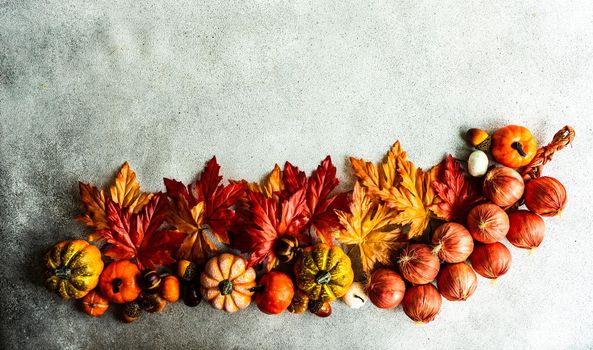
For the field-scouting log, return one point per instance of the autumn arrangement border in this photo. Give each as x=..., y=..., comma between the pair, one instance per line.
x=291, y=241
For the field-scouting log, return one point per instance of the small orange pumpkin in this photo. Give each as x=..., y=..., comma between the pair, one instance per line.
x=513, y=146
x=227, y=282
x=94, y=304
x=170, y=289
x=119, y=281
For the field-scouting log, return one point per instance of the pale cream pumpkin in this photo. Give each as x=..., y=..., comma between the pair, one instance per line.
x=226, y=282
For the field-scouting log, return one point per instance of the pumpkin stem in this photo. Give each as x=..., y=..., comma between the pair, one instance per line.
x=519, y=148
x=63, y=272
x=323, y=277
x=116, y=284
x=225, y=287
x=257, y=288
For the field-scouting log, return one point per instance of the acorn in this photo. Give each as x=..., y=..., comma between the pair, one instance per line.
x=191, y=295
x=320, y=308
x=285, y=249
x=299, y=303
x=152, y=302
x=479, y=139
x=131, y=312
x=150, y=281
x=187, y=270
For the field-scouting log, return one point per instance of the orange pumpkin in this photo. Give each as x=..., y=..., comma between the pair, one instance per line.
x=274, y=292
x=119, y=281
x=170, y=289
x=513, y=146
x=226, y=282
x=94, y=304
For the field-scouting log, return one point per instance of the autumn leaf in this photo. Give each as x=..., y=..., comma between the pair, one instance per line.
x=138, y=235
x=457, y=192
x=94, y=201
x=413, y=197
x=321, y=206
x=205, y=204
x=125, y=191
x=270, y=221
x=399, y=184
x=371, y=227
x=293, y=179
x=379, y=179
x=271, y=186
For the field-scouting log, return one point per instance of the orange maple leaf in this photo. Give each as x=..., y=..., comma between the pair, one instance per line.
x=379, y=178
x=371, y=227
x=125, y=191
x=270, y=186
x=204, y=204
x=399, y=184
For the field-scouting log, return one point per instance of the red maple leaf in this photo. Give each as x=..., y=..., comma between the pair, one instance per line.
x=293, y=179
x=321, y=206
x=218, y=199
x=138, y=235
x=458, y=193
x=271, y=220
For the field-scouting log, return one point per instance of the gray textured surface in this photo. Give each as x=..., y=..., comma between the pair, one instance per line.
x=86, y=85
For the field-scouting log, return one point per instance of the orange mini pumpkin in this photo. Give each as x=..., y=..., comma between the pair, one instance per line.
x=513, y=146
x=227, y=282
x=170, y=289
x=119, y=281
x=94, y=304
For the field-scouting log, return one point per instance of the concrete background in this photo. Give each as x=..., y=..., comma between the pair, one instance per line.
x=87, y=85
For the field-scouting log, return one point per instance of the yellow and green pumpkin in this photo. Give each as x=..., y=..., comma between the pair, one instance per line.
x=324, y=273
x=73, y=268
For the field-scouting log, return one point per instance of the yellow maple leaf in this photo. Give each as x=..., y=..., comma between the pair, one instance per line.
x=126, y=190
x=370, y=226
x=413, y=198
x=378, y=179
x=399, y=184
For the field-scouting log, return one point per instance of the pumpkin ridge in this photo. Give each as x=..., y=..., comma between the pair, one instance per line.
x=49, y=262
x=328, y=291
x=239, y=270
x=76, y=290
x=55, y=254
x=72, y=246
x=229, y=303
x=224, y=266
x=63, y=289
x=336, y=257
x=324, y=258
x=216, y=268
x=78, y=283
